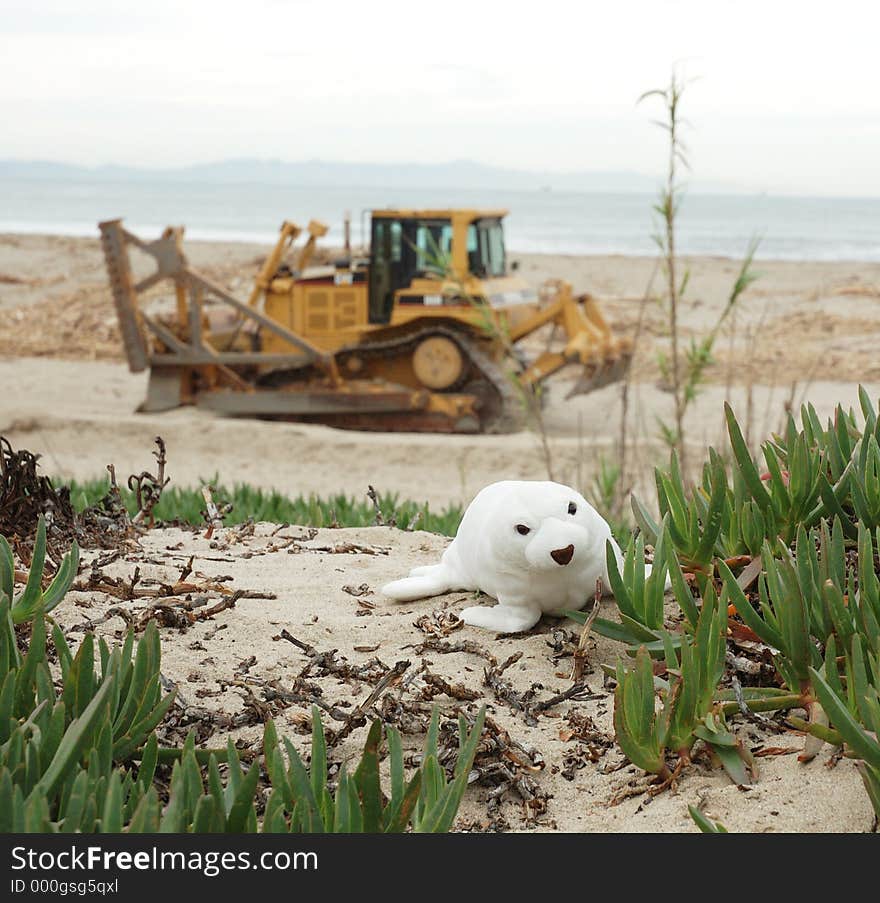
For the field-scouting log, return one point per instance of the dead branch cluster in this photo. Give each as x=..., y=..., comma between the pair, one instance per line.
x=147, y=488
x=26, y=494
x=185, y=601
x=295, y=545
x=108, y=523
x=404, y=696
x=504, y=764
x=439, y=623
x=591, y=743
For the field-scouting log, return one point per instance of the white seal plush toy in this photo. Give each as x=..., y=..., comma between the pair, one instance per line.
x=537, y=547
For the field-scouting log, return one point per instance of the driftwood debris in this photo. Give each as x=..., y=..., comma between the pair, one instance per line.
x=213, y=514
x=148, y=488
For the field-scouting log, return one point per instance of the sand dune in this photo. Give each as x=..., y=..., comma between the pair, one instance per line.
x=325, y=588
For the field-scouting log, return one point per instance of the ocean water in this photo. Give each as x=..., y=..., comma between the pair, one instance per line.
x=792, y=228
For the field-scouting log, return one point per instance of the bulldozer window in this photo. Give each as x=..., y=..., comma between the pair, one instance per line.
x=433, y=247
x=485, y=247
x=402, y=250
x=386, y=267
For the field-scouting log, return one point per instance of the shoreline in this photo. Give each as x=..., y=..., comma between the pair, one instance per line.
x=267, y=240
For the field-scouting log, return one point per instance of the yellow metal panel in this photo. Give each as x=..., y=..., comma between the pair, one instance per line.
x=330, y=316
x=334, y=310
x=277, y=306
x=317, y=311
x=345, y=309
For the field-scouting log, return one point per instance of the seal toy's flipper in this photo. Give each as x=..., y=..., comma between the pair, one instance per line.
x=502, y=618
x=421, y=583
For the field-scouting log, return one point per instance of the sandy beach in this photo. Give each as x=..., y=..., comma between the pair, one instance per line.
x=804, y=331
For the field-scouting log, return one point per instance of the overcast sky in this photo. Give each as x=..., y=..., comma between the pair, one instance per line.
x=787, y=96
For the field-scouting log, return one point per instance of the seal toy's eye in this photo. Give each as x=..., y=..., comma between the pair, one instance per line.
x=523, y=530
x=572, y=508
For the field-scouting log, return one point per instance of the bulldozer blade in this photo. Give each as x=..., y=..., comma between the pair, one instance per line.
x=275, y=402
x=163, y=390
x=604, y=374
x=122, y=287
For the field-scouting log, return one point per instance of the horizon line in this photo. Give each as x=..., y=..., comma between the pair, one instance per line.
x=704, y=186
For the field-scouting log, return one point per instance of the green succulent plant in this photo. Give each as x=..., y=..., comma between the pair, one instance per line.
x=300, y=801
x=796, y=490
x=694, y=525
x=187, y=503
x=853, y=708
x=138, y=703
x=783, y=618
x=706, y=825
x=688, y=712
x=640, y=597
x=33, y=599
x=67, y=756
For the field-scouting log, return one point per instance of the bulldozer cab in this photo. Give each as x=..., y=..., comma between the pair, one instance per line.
x=440, y=245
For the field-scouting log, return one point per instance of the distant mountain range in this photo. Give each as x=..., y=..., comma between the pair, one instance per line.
x=457, y=174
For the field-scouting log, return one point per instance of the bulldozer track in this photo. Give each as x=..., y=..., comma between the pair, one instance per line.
x=500, y=409
x=498, y=417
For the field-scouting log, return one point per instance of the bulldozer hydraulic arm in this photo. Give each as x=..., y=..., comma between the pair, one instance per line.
x=289, y=234
x=588, y=341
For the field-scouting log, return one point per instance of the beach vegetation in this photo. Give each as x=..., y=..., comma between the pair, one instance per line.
x=683, y=367
x=80, y=753
x=783, y=562
x=33, y=599
x=185, y=505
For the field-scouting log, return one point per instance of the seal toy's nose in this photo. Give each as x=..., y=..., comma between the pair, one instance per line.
x=563, y=556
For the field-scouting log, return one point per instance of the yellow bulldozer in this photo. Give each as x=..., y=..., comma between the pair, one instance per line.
x=423, y=332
